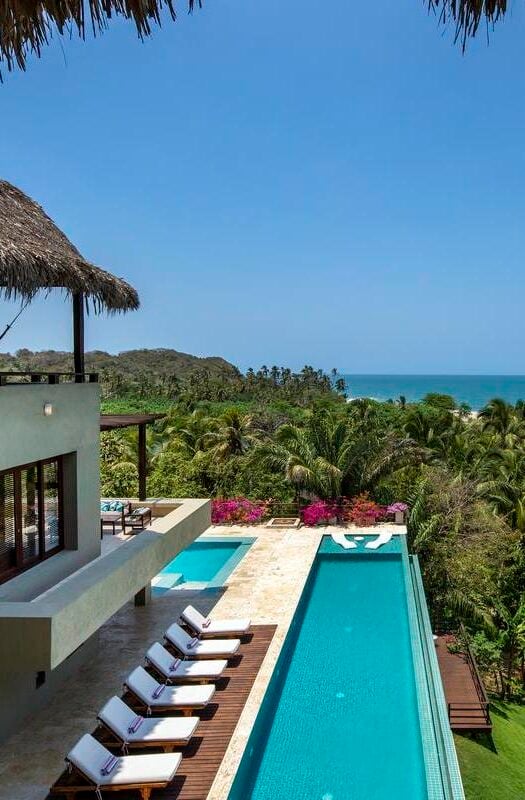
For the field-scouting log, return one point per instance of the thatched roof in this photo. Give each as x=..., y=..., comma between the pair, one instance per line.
x=36, y=255
x=27, y=26
x=467, y=15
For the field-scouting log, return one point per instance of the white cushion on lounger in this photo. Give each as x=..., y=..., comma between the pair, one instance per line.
x=143, y=685
x=212, y=647
x=119, y=717
x=196, y=620
x=166, y=729
x=382, y=539
x=340, y=539
x=192, y=670
x=89, y=756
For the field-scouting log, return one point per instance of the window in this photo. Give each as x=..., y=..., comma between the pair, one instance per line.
x=30, y=515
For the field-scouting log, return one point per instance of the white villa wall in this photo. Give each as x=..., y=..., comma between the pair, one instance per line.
x=26, y=435
x=50, y=614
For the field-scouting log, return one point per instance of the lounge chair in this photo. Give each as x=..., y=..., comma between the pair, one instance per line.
x=132, y=730
x=340, y=539
x=156, y=696
x=383, y=538
x=105, y=771
x=174, y=670
x=193, y=648
x=205, y=627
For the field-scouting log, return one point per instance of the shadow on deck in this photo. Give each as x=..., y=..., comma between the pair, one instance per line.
x=467, y=702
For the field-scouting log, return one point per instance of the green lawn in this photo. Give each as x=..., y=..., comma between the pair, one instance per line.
x=494, y=768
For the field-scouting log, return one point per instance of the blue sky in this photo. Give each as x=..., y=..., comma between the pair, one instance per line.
x=286, y=183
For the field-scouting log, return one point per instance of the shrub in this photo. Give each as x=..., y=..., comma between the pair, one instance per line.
x=120, y=481
x=318, y=512
x=364, y=512
x=238, y=510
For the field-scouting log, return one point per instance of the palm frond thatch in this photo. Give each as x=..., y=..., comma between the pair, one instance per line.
x=27, y=27
x=467, y=15
x=35, y=255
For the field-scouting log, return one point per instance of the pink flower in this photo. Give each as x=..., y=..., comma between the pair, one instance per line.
x=318, y=512
x=397, y=508
x=238, y=510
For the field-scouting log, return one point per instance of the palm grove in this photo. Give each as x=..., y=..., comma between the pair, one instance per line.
x=292, y=437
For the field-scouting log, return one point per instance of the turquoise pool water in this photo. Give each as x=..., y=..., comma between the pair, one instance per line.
x=201, y=561
x=340, y=719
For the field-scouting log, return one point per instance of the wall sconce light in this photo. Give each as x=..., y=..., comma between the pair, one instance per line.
x=48, y=409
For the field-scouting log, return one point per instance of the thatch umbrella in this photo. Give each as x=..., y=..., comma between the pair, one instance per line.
x=35, y=255
x=26, y=27
x=467, y=15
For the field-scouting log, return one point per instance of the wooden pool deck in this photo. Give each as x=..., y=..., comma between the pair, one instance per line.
x=467, y=701
x=202, y=757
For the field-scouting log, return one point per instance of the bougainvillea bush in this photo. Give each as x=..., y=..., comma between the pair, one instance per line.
x=365, y=512
x=360, y=511
x=238, y=510
x=318, y=513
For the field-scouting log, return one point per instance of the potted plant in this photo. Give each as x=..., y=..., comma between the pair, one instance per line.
x=398, y=510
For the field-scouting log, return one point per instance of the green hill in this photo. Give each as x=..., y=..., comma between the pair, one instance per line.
x=129, y=365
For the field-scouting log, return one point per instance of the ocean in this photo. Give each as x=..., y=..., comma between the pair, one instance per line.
x=476, y=390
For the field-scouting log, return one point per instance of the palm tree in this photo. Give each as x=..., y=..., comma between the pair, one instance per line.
x=511, y=625
x=234, y=435
x=502, y=483
x=305, y=456
x=500, y=418
x=333, y=456
x=504, y=624
x=158, y=439
x=189, y=432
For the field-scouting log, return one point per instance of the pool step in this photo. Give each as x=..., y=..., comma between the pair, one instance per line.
x=163, y=583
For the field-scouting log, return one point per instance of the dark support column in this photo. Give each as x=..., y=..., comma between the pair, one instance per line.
x=142, y=461
x=78, y=334
x=143, y=597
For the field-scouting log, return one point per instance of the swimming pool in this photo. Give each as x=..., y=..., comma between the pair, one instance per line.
x=207, y=561
x=342, y=716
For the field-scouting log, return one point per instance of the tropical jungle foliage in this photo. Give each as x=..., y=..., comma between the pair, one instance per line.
x=272, y=438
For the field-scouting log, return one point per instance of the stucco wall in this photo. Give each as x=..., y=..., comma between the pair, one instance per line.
x=26, y=435
x=55, y=631
x=20, y=698
x=49, y=615
x=42, y=633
